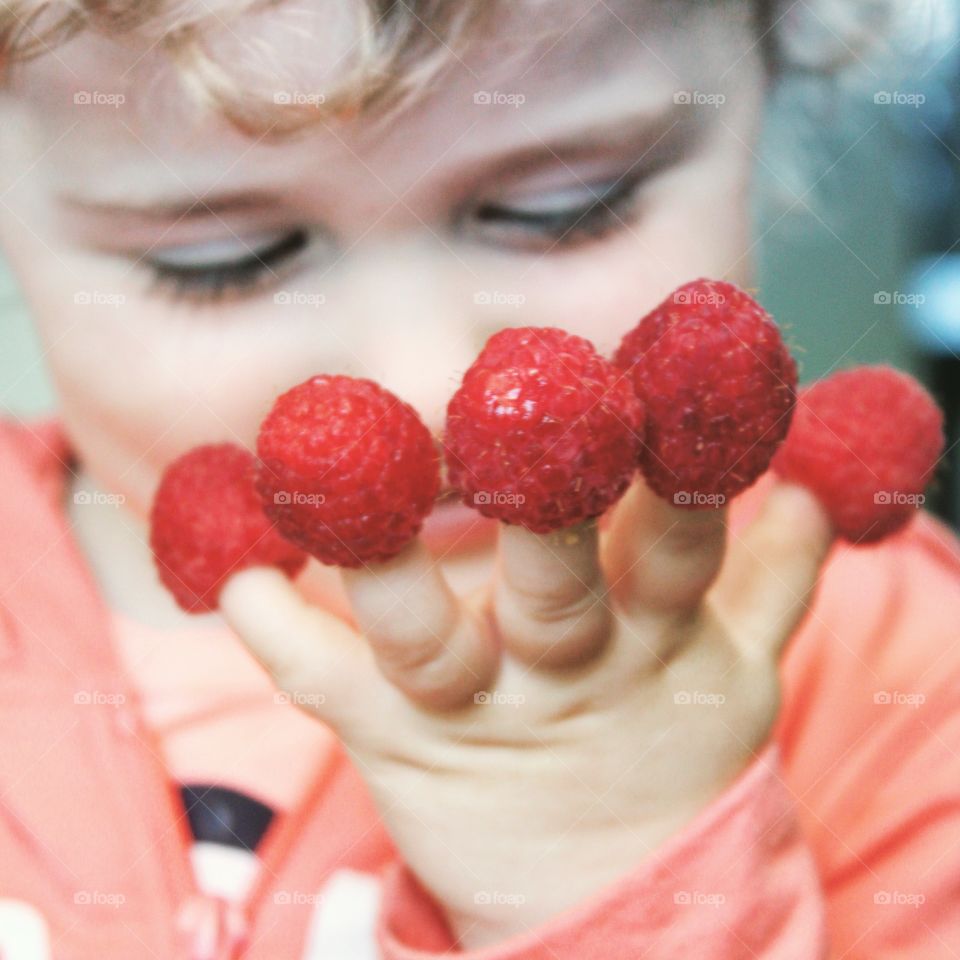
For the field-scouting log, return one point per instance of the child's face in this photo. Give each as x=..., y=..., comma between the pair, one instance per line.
x=390, y=253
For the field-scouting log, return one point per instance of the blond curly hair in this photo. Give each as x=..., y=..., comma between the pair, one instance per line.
x=402, y=44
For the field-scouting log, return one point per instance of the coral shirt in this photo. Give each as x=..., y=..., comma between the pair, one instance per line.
x=841, y=839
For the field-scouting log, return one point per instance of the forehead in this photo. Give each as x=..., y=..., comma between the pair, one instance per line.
x=122, y=103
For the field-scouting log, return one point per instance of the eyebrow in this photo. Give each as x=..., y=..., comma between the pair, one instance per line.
x=177, y=208
x=636, y=127
x=644, y=130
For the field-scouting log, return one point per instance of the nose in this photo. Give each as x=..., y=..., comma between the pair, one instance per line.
x=417, y=329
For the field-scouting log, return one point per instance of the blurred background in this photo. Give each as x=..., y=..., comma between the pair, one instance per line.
x=858, y=250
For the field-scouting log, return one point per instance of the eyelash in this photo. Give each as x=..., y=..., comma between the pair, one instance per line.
x=604, y=214
x=218, y=281
x=547, y=231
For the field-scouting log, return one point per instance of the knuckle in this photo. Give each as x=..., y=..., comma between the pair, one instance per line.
x=559, y=642
x=439, y=682
x=286, y=679
x=556, y=603
x=286, y=670
x=408, y=652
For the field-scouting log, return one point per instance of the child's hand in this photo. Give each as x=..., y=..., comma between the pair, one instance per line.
x=531, y=744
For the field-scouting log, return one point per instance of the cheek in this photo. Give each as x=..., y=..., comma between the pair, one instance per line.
x=695, y=222
x=601, y=292
x=141, y=383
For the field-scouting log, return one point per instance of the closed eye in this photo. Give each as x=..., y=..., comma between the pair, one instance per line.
x=553, y=222
x=209, y=273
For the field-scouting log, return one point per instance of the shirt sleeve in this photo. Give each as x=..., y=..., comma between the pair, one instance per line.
x=870, y=744
x=737, y=881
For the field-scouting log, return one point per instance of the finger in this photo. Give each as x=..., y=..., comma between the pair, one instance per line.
x=550, y=597
x=424, y=640
x=771, y=572
x=663, y=558
x=311, y=654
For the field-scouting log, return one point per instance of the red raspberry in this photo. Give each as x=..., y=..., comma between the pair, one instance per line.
x=543, y=432
x=719, y=387
x=207, y=522
x=347, y=470
x=866, y=441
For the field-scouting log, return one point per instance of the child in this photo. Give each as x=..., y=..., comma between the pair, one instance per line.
x=594, y=747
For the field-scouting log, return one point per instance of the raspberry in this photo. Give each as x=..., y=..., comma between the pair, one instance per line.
x=347, y=470
x=719, y=387
x=207, y=522
x=866, y=441
x=543, y=432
